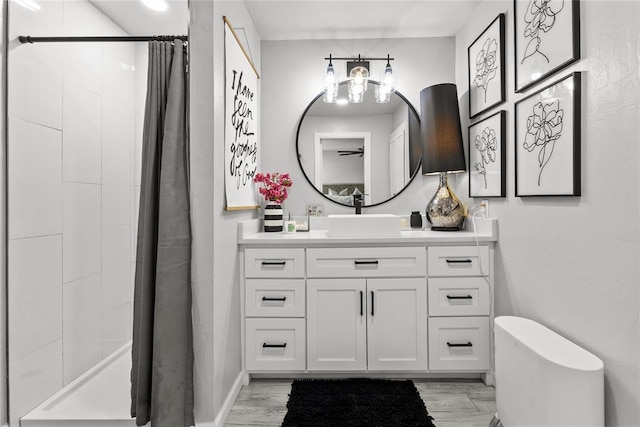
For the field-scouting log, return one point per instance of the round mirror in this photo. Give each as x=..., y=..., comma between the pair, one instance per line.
x=372, y=149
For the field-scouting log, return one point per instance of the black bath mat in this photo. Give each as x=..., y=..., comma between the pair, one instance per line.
x=354, y=403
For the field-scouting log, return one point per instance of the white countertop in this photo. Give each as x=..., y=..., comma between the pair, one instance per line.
x=249, y=234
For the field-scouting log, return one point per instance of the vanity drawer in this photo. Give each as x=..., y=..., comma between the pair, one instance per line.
x=458, y=296
x=459, y=344
x=275, y=344
x=458, y=261
x=275, y=263
x=275, y=298
x=366, y=262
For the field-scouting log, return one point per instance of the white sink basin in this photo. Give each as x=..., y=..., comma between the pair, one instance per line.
x=371, y=225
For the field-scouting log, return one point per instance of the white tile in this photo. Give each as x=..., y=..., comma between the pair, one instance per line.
x=83, y=61
x=34, y=378
x=81, y=136
x=140, y=101
x=116, y=188
x=82, y=231
x=35, y=293
x=110, y=28
x=118, y=100
x=82, y=326
x=116, y=329
x=35, y=180
x=35, y=71
x=116, y=267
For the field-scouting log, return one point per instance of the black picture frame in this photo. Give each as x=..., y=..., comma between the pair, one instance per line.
x=486, y=68
x=547, y=140
x=487, y=156
x=542, y=47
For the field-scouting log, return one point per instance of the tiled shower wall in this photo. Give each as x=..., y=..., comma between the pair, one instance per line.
x=73, y=163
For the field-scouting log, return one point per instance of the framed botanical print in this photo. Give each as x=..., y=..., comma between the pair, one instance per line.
x=547, y=140
x=487, y=160
x=486, y=68
x=547, y=39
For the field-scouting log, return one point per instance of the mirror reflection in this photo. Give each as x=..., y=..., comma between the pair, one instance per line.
x=369, y=149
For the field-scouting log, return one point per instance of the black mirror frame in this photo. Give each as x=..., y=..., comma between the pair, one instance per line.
x=413, y=175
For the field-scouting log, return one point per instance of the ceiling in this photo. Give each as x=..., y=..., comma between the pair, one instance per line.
x=358, y=19
x=310, y=19
x=138, y=20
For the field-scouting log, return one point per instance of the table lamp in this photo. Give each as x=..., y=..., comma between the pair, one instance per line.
x=442, y=153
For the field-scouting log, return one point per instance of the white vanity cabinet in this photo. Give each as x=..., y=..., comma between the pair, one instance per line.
x=414, y=305
x=366, y=324
x=274, y=307
x=366, y=309
x=459, y=308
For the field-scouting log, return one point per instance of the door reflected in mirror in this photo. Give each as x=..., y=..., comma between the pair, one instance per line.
x=369, y=148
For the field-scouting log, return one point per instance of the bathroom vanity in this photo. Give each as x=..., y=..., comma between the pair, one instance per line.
x=416, y=304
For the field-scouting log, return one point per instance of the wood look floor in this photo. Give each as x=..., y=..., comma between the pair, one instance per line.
x=456, y=403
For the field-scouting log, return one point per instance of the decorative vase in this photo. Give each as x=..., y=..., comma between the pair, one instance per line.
x=273, y=217
x=445, y=212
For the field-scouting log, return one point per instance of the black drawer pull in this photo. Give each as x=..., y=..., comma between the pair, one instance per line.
x=265, y=345
x=366, y=262
x=274, y=299
x=459, y=261
x=274, y=263
x=361, y=305
x=459, y=297
x=467, y=344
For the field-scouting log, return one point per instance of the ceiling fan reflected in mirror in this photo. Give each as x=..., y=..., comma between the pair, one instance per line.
x=357, y=152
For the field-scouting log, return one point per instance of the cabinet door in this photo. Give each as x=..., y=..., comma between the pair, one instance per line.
x=336, y=325
x=397, y=324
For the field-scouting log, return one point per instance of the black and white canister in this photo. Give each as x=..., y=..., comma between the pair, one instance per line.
x=273, y=217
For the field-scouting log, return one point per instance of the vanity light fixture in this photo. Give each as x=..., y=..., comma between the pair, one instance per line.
x=330, y=84
x=442, y=152
x=358, y=70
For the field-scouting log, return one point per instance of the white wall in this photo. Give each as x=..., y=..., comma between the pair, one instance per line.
x=215, y=269
x=3, y=234
x=572, y=263
x=292, y=77
x=71, y=129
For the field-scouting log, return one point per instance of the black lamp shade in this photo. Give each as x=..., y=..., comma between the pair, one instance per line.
x=442, y=149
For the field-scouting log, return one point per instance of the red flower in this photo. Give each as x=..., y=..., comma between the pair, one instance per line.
x=274, y=187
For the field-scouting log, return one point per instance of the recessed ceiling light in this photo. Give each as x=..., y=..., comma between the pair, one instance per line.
x=159, y=5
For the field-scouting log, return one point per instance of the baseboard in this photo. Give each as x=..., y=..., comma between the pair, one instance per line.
x=225, y=410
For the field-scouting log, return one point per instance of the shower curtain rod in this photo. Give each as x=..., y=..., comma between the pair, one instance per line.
x=30, y=39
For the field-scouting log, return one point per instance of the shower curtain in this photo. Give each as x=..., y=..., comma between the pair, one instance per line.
x=162, y=352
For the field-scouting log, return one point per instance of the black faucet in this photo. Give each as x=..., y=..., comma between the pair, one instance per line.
x=357, y=202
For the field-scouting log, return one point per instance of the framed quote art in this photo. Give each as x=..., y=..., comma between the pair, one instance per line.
x=547, y=140
x=241, y=142
x=486, y=68
x=487, y=159
x=547, y=39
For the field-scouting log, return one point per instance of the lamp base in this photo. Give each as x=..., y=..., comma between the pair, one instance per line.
x=445, y=212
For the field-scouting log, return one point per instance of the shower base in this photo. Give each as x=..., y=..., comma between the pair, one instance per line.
x=98, y=398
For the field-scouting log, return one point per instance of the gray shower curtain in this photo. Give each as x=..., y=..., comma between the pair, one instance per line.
x=162, y=352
